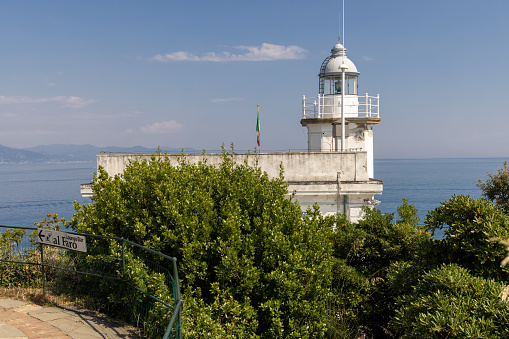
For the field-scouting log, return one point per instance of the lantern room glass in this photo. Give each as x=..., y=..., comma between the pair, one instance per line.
x=332, y=84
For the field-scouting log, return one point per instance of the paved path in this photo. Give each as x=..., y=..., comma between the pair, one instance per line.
x=22, y=320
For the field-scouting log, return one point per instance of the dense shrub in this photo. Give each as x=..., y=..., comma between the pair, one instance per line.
x=363, y=253
x=469, y=226
x=251, y=266
x=12, y=274
x=239, y=242
x=496, y=188
x=449, y=302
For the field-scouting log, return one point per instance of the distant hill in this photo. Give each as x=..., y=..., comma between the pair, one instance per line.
x=70, y=153
x=14, y=155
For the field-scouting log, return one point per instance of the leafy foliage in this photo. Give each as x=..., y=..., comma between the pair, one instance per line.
x=451, y=287
x=395, y=270
x=11, y=249
x=469, y=226
x=238, y=240
x=252, y=266
x=364, y=253
x=15, y=246
x=496, y=188
x=448, y=302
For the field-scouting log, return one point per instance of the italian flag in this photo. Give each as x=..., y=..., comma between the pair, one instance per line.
x=258, y=126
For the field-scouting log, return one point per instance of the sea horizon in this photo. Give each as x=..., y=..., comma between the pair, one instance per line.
x=32, y=190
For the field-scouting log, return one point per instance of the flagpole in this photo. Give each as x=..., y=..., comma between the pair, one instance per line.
x=258, y=127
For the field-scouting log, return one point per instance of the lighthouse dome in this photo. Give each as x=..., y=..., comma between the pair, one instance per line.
x=334, y=62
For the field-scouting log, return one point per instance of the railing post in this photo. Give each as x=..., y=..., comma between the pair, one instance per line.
x=378, y=105
x=178, y=298
x=178, y=331
x=368, y=111
x=42, y=269
x=303, y=107
x=319, y=105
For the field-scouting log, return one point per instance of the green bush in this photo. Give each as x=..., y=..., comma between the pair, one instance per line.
x=469, y=225
x=496, y=188
x=237, y=239
x=364, y=252
x=448, y=302
x=12, y=249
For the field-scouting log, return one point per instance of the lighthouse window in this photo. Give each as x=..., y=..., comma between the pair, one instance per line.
x=326, y=86
x=330, y=86
x=337, y=86
x=351, y=84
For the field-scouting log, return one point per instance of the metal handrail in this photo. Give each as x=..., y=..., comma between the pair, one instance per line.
x=317, y=107
x=176, y=318
x=176, y=312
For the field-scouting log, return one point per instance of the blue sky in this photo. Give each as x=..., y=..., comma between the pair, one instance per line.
x=190, y=73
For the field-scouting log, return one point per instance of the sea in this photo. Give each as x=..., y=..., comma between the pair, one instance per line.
x=426, y=183
x=28, y=192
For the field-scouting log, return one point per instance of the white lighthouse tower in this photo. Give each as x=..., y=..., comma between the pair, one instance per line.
x=340, y=124
x=336, y=172
x=338, y=119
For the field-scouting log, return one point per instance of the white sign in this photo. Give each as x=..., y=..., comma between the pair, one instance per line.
x=61, y=239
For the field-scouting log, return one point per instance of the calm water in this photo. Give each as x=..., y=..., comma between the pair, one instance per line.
x=428, y=182
x=29, y=191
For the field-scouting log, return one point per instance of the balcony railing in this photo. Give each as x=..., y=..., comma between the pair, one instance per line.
x=323, y=106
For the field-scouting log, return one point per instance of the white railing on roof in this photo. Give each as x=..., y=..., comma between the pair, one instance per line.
x=321, y=107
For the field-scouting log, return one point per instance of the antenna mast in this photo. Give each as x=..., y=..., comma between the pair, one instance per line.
x=339, y=27
x=343, y=22
x=341, y=39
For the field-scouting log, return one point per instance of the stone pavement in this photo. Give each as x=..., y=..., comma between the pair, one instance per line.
x=23, y=320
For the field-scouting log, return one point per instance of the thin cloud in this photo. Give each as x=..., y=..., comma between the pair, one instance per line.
x=66, y=101
x=367, y=58
x=163, y=127
x=76, y=102
x=28, y=133
x=265, y=52
x=226, y=99
x=111, y=115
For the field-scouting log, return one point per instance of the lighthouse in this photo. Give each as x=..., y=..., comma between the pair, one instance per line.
x=338, y=119
x=336, y=172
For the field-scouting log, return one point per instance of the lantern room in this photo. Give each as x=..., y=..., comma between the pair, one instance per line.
x=331, y=73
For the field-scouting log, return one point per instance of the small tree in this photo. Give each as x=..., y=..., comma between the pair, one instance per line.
x=251, y=266
x=450, y=288
x=449, y=302
x=496, y=188
x=469, y=225
x=363, y=253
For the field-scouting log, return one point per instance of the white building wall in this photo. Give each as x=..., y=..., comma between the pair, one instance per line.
x=368, y=144
x=324, y=178
x=298, y=166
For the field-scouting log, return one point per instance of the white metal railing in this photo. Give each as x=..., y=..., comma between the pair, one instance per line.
x=319, y=107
